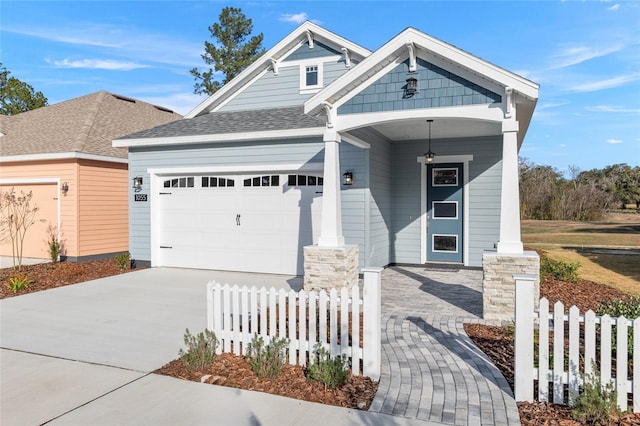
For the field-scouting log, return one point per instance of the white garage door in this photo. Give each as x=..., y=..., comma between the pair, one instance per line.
x=253, y=223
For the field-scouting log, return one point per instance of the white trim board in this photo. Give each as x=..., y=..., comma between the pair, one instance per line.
x=61, y=156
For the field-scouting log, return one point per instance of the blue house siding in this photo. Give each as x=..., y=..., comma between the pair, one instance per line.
x=378, y=202
x=282, y=90
x=354, y=198
x=484, y=195
x=303, y=52
x=242, y=154
x=141, y=159
x=436, y=88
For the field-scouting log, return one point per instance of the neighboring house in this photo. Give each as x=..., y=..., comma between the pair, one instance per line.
x=322, y=143
x=63, y=154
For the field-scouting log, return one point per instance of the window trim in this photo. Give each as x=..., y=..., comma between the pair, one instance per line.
x=304, y=89
x=433, y=243
x=433, y=210
x=433, y=177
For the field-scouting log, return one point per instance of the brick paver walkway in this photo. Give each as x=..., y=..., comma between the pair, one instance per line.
x=431, y=370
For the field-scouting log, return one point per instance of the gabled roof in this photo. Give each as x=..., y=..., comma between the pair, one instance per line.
x=423, y=46
x=230, y=125
x=84, y=125
x=296, y=38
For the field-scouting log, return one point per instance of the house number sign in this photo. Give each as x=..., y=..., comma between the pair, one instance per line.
x=140, y=197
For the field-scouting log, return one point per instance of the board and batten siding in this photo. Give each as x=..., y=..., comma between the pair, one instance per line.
x=484, y=195
x=282, y=90
x=354, y=198
x=103, y=206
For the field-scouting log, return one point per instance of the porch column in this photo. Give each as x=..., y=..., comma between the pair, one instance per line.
x=331, y=225
x=331, y=263
x=510, y=240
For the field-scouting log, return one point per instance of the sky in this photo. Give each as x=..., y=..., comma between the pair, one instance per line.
x=585, y=55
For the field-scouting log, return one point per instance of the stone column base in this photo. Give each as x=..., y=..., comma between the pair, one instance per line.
x=498, y=285
x=330, y=267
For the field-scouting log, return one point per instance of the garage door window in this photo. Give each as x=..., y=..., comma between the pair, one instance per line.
x=305, y=180
x=217, y=182
x=182, y=182
x=268, y=180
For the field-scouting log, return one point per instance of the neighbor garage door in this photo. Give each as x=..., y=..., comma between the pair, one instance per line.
x=253, y=223
x=46, y=200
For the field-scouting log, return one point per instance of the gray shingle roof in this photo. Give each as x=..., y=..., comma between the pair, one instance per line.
x=233, y=122
x=87, y=124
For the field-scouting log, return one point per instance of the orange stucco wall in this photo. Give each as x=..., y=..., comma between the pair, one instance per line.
x=93, y=213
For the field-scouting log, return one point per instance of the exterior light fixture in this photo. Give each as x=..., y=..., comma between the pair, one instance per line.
x=411, y=87
x=429, y=156
x=347, y=178
x=137, y=183
x=64, y=187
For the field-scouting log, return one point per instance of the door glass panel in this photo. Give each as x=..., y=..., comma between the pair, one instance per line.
x=445, y=243
x=445, y=177
x=445, y=210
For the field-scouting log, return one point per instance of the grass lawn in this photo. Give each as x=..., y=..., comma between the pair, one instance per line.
x=608, y=251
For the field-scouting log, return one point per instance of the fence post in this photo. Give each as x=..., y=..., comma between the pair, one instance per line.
x=210, y=285
x=524, y=311
x=372, y=324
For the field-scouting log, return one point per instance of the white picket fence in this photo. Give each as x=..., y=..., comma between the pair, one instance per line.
x=331, y=319
x=582, y=353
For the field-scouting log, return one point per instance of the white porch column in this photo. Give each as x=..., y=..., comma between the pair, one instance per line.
x=331, y=225
x=510, y=240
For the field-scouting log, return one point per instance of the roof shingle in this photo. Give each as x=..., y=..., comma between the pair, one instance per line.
x=233, y=122
x=87, y=124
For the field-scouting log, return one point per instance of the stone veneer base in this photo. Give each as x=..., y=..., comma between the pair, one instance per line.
x=330, y=267
x=498, y=285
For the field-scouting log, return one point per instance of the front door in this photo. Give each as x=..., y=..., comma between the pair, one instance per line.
x=444, y=212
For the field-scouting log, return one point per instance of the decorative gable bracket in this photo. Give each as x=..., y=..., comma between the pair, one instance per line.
x=509, y=102
x=347, y=57
x=310, y=39
x=412, y=56
x=274, y=66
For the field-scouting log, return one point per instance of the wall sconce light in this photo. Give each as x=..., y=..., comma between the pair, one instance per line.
x=412, y=86
x=347, y=178
x=137, y=183
x=429, y=156
x=64, y=187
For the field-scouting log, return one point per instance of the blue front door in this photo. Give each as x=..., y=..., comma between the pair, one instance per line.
x=444, y=212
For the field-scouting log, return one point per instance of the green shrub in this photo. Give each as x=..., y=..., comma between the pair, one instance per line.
x=53, y=246
x=630, y=309
x=596, y=404
x=332, y=373
x=123, y=260
x=558, y=269
x=266, y=360
x=201, y=349
x=19, y=282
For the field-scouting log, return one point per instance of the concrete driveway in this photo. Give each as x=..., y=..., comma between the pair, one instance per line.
x=83, y=354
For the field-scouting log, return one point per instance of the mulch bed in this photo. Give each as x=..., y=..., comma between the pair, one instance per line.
x=51, y=275
x=234, y=371
x=498, y=344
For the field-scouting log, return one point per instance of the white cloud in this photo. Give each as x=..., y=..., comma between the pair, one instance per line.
x=99, y=64
x=614, y=141
x=613, y=108
x=614, y=8
x=575, y=55
x=296, y=18
x=604, y=84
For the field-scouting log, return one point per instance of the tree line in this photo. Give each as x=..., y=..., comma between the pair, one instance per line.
x=546, y=194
